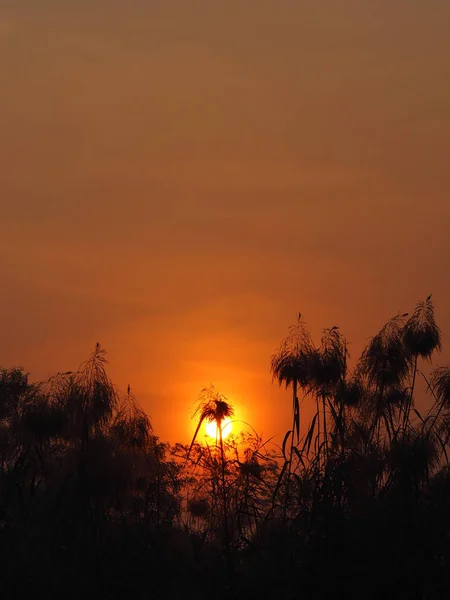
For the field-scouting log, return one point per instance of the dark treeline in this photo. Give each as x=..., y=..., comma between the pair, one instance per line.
x=354, y=504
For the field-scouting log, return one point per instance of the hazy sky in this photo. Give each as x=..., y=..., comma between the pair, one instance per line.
x=180, y=177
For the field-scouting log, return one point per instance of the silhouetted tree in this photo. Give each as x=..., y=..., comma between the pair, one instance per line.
x=93, y=504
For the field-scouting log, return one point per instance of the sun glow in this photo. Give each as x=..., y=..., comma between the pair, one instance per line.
x=212, y=431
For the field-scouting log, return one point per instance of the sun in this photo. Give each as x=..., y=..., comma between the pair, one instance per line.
x=211, y=429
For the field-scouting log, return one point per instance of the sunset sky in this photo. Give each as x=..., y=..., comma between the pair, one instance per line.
x=180, y=177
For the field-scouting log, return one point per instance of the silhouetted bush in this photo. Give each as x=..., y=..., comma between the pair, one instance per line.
x=355, y=503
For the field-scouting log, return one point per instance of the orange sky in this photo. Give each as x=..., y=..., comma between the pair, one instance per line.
x=180, y=178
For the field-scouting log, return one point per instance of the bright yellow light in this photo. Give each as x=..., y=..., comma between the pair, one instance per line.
x=211, y=429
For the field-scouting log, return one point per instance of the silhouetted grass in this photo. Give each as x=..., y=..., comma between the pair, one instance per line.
x=353, y=504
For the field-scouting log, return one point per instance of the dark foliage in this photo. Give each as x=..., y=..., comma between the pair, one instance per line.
x=354, y=504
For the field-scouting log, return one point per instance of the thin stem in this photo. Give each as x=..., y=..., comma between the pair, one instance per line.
x=224, y=500
x=286, y=499
x=409, y=403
